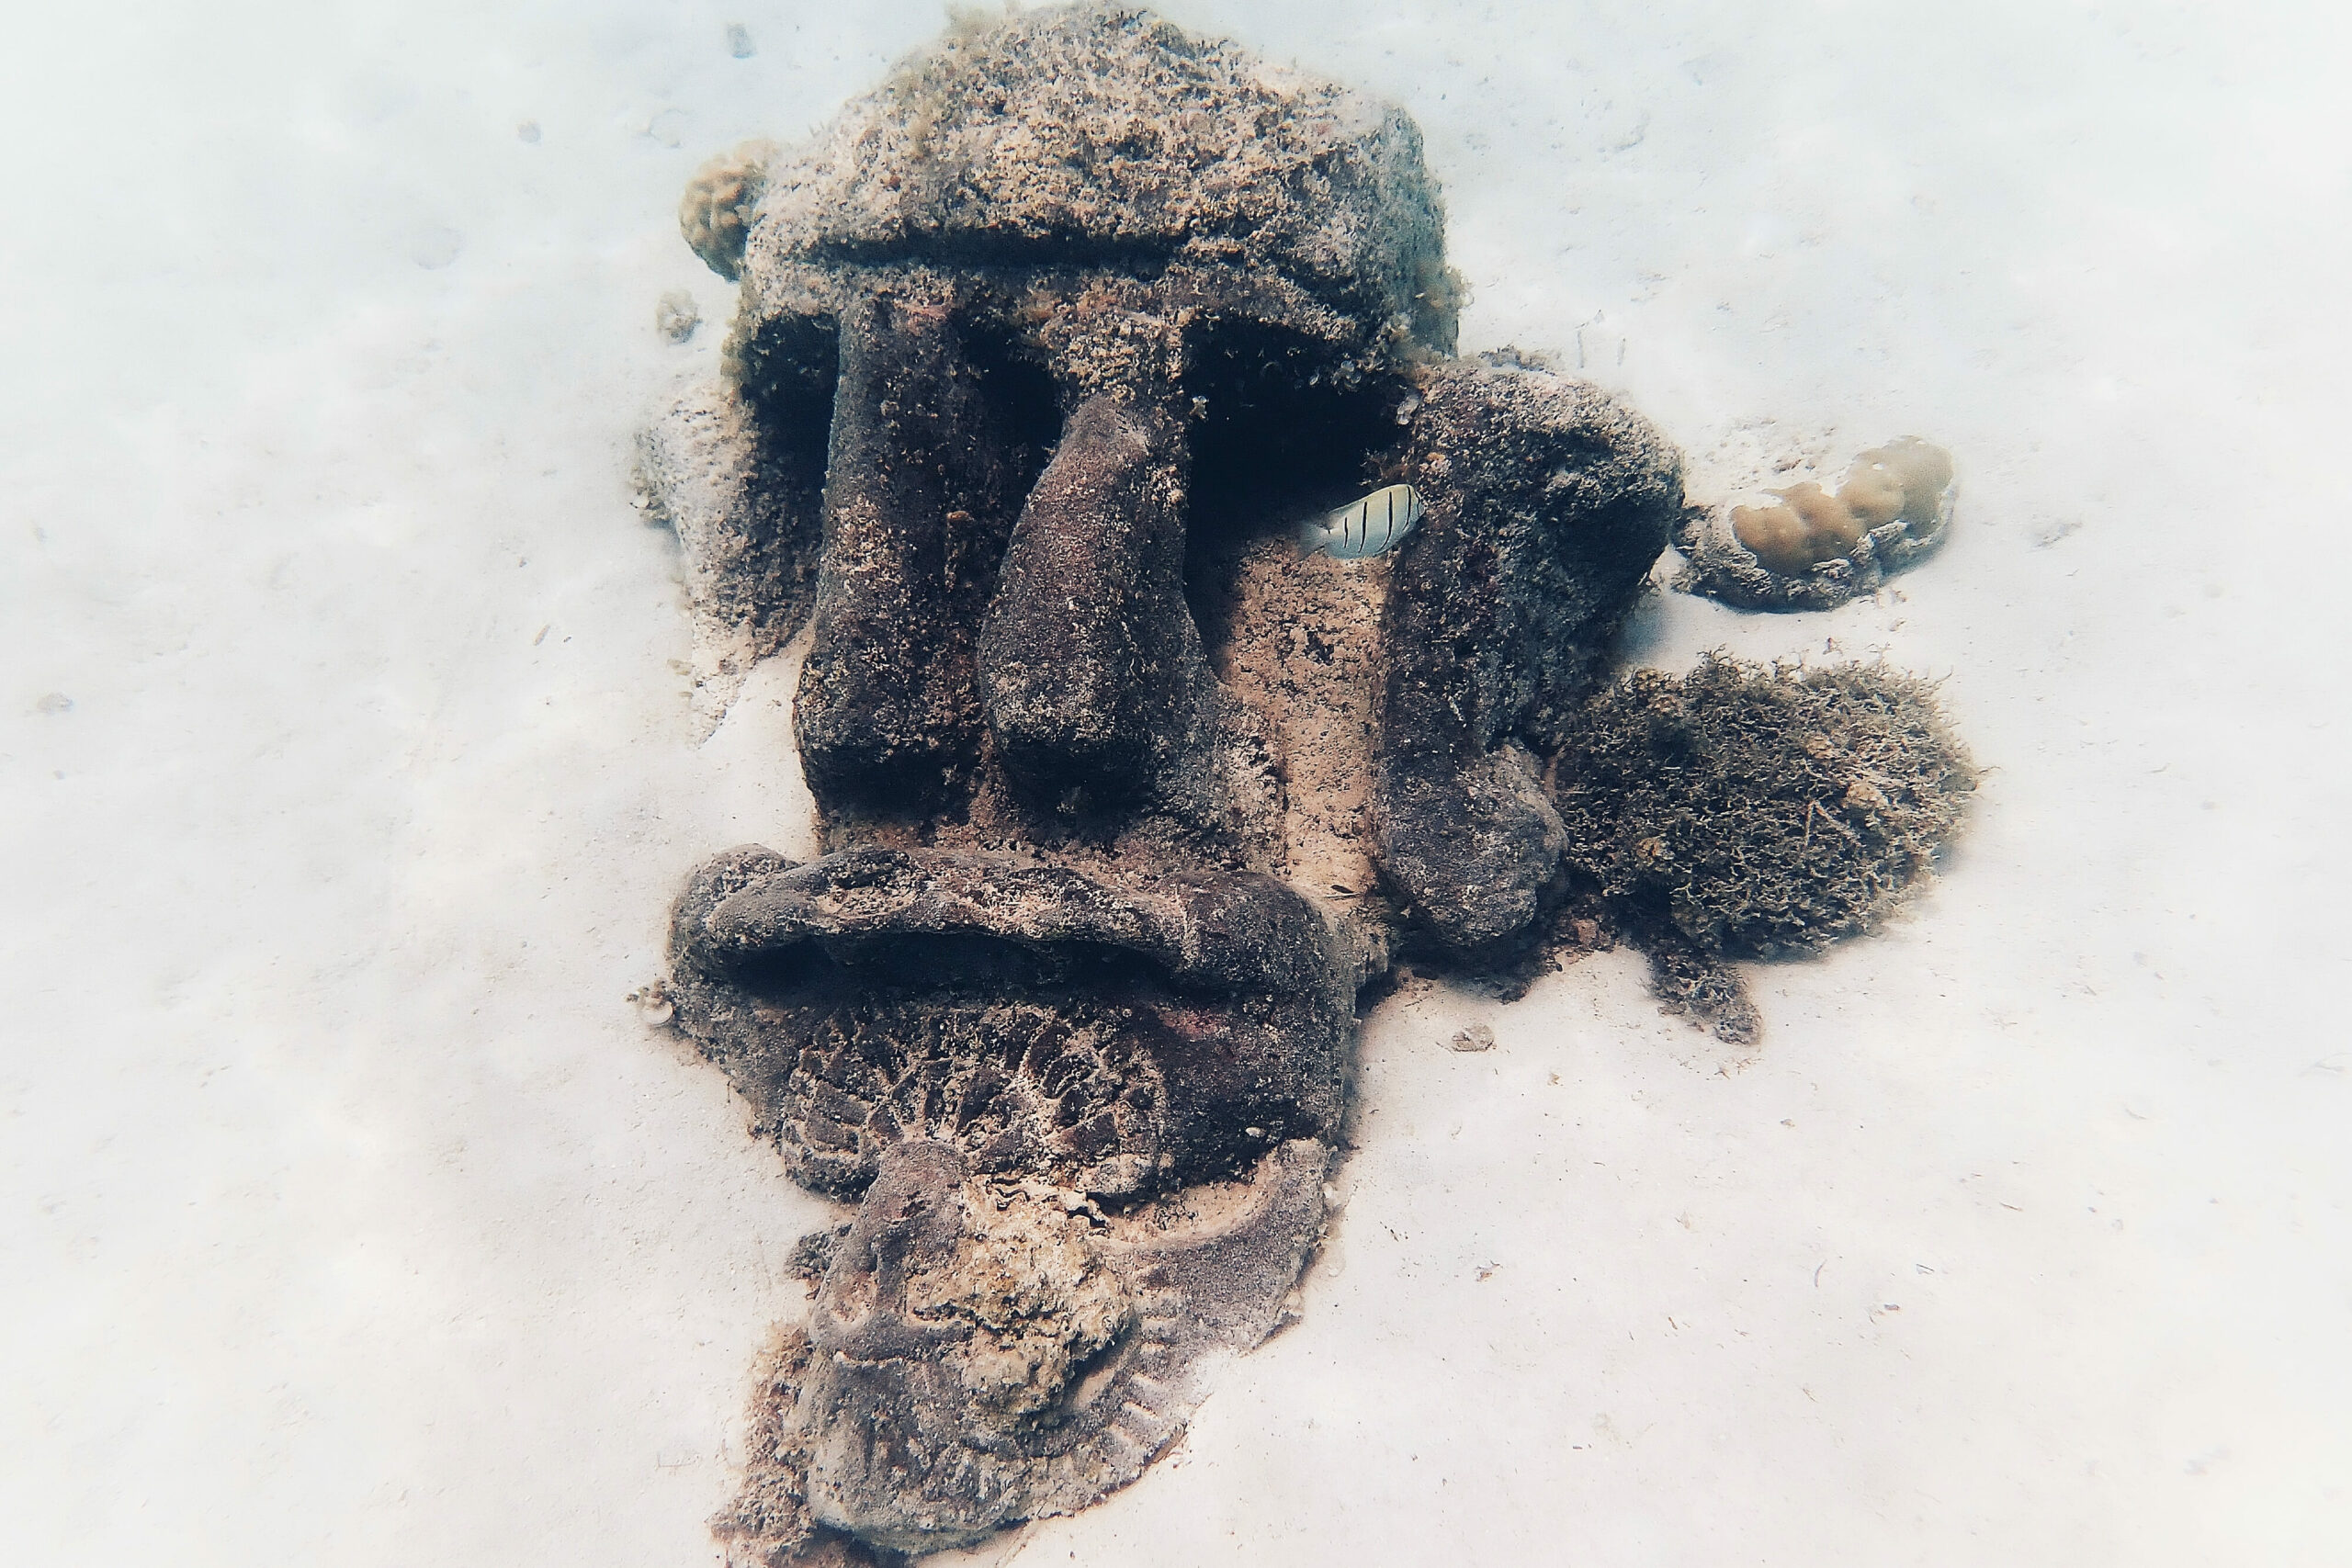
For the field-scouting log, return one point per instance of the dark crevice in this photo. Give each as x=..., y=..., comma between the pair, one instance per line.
x=1019, y=424
x=1279, y=438
x=941, y=961
x=788, y=371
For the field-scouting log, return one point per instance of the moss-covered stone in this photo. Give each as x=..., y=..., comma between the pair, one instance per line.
x=1749, y=810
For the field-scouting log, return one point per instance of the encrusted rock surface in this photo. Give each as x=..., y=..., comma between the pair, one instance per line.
x=1106, y=135
x=986, y=1351
x=1548, y=503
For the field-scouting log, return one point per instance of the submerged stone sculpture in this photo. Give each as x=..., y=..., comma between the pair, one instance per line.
x=1045, y=352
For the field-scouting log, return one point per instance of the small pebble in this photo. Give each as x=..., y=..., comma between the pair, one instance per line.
x=739, y=41
x=677, y=315
x=435, y=247
x=1477, y=1037
x=527, y=131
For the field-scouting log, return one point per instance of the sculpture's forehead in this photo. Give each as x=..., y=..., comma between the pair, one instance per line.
x=1104, y=136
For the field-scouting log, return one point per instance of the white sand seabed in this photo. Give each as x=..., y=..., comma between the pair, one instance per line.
x=348, y=1214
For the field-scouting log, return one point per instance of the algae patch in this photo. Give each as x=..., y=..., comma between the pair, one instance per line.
x=1749, y=811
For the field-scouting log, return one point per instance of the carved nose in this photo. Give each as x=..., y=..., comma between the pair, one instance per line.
x=1086, y=657
x=888, y=669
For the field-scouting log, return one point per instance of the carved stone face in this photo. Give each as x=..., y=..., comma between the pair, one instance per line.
x=1046, y=352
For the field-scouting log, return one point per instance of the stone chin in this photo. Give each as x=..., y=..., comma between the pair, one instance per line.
x=1086, y=1124
x=982, y=1352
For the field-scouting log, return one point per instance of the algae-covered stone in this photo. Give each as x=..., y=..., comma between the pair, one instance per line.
x=1755, y=810
x=1104, y=134
x=1046, y=351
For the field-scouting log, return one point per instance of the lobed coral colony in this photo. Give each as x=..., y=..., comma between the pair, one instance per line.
x=716, y=212
x=1815, y=549
x=1194, y=638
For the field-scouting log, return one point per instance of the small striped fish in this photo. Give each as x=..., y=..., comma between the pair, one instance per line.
x=1364, y=527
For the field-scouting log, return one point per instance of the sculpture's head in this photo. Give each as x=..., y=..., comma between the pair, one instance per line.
x=1046, y=352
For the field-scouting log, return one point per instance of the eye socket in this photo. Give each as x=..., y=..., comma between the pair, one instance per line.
x=788, y=371
x=1284, y=432
x=1279, y=437
x=1020, y=423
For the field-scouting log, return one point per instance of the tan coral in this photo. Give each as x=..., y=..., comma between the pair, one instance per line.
x=1775, y=536
x=1904, y=478
x=1808, y=527
x=1873, y=492
x=1815, y=549
x=716, y=214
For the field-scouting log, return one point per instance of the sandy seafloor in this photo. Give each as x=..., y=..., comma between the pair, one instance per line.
x=349, y=1215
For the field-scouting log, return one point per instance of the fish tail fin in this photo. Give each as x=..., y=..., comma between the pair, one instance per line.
x=1312, y=536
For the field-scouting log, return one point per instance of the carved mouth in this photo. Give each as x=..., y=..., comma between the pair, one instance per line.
x=1113, y=1039
x=970, y=1043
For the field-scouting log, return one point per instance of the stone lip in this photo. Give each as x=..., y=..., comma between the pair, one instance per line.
x=1103, y=135
x=1119, y=1041
x=1216, y=935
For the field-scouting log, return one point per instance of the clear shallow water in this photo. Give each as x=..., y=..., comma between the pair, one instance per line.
x=351, y=1210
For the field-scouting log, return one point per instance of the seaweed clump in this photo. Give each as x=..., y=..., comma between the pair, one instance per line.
x=1742, y=811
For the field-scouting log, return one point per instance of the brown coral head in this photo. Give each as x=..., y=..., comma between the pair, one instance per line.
x=715, y=214
x=1813, y=549
x=1873, y=492
x=1808, y=527
x=1775, y=536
